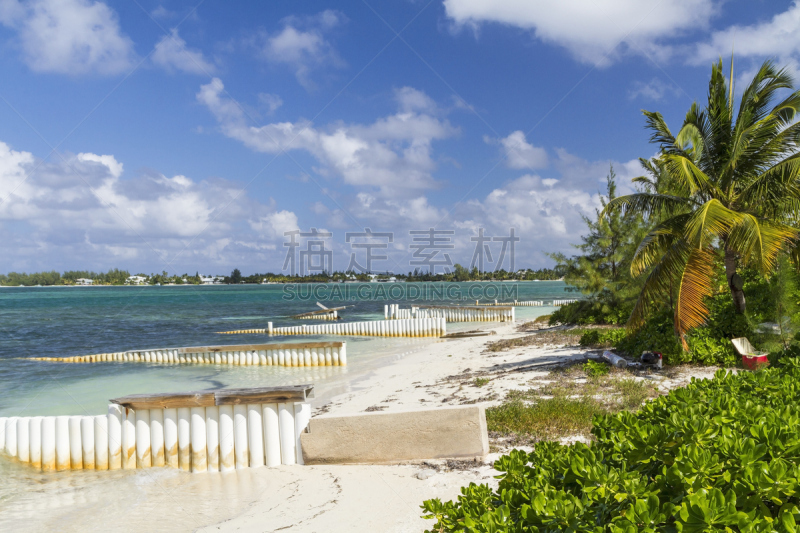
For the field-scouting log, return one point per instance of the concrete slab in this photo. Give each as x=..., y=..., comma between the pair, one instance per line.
x=379, y=438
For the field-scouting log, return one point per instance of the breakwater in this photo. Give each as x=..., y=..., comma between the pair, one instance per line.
x=201, y=431
x=295, y=354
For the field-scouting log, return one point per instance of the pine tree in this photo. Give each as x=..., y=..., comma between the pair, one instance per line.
x=602, y=271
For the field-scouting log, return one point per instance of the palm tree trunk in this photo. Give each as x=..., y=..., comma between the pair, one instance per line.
x=737, y=294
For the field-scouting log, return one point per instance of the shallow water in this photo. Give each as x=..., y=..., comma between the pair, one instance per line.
x=86, y=320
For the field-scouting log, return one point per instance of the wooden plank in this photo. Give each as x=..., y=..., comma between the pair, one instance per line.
x=463, y=334
x=290, y=393
x=297, y=393
x=256, y=347
x=320, y=312
x=166, y=400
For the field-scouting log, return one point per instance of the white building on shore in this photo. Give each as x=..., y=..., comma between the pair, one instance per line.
x=84, y=281
x=211, y=280
x=136, y=280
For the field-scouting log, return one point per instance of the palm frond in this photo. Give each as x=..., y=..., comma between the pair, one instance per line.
x=688, y=176
x=657, y=242
x=658, y=285
x=758, y=242
x=693, y=287
x=710, y=222
x=690, y=139
x=658, y=126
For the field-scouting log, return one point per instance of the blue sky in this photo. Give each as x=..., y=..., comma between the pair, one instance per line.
x=189, y=137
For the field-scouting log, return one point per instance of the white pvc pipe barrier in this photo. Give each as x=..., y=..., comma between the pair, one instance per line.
x=420, y=326
x=212, y=438
x=287, y=433
x=87, y=442
x=101, y=444
x=184, y=438
x=171, y=438
x=35, y=441
x=143, y=455
x=272, y=441
x=302, y=416
x=309, y=354
x=23, y=439
x=198, y=430
x=115, y=416
x=198, y=439
x=48, y=444
x=227, y=459
x=240, y=440
x=255, y=432
x=62, y=443
x=157, y=437
x=75, y=448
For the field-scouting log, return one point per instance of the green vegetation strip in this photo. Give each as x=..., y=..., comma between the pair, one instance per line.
x=717, y=455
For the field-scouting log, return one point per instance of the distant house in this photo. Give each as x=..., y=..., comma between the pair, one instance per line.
x=212, y=280
x=84, y=281
x=136, y=280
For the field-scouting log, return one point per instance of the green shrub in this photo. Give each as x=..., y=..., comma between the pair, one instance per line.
x=717, y=455
x=606, y=338
x=594, y=369
x=707, y=350
x=597, y=310
x=590, y=338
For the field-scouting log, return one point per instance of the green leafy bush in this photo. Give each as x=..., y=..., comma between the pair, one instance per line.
x=717, y=455
x=603, y=337
x=594, y=369
x=601, y=309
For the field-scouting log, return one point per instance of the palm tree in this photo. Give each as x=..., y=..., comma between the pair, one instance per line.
x=727, y=185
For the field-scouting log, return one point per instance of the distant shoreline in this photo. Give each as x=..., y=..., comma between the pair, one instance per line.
x=274, y=283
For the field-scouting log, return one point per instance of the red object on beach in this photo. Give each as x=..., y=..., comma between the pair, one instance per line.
x=754, y=362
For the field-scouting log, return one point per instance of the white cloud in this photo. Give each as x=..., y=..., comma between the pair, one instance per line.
x=410, y=99
x=109, y=161
x=270, y=101
x=591, y=30
x=392, y=155
x=303, y=45
x=520, y=154
x=655, y=89
x=778, y=37
x=171, y=53
x=82, y=212
x=69, y=36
